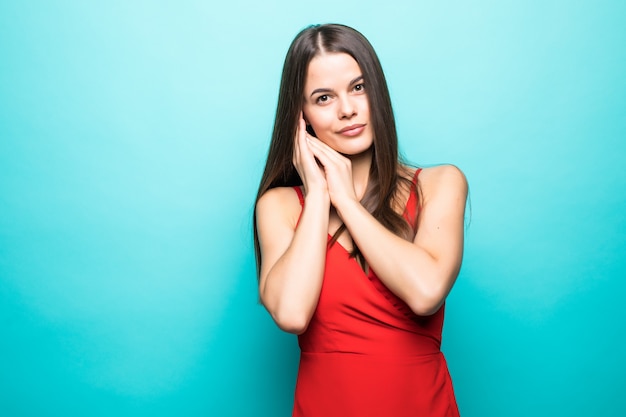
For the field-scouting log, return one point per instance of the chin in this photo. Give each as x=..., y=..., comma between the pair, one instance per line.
x=350, y=147
x=356, y=152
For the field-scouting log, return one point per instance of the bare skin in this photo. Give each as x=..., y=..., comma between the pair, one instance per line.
x=421, y=272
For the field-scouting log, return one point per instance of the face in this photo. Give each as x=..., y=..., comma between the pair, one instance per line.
x=336, y=104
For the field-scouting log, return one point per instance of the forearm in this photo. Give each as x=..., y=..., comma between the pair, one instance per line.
x=292, y=286
x=405, y=267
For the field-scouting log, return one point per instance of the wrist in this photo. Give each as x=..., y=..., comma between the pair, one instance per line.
x=345, y=206
x=317, y=196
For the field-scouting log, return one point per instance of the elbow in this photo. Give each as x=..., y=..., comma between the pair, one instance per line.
x=291, y=322
x=425, y=308
x=426, y=298
x=426, y=303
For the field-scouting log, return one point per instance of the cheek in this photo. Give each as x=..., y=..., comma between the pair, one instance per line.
x=318, y=122
x=322, y=116
x=310, y=116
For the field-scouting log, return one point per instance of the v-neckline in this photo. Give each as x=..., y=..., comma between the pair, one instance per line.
x=350, y=258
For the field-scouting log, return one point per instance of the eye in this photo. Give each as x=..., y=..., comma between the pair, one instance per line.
x=322, y=99
x=359, y=87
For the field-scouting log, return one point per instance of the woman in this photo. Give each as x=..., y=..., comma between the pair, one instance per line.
x=356, y=252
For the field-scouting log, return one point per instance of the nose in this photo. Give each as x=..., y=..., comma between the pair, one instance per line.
x=347, y=108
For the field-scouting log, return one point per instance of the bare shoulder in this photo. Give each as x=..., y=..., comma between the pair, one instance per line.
x=446, y=180
x=279, y=205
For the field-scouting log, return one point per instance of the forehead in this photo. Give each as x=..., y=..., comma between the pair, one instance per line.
x=331, y=70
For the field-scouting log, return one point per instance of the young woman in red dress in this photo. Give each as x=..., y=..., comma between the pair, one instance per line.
x=356, y=250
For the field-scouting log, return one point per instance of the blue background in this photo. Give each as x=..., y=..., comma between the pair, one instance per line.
x=132, y=139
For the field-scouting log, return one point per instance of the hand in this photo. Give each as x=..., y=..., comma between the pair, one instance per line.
x=310, y=172
x=337, y=170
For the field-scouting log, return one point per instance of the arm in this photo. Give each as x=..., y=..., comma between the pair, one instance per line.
x=420, y=272
x=293, y=258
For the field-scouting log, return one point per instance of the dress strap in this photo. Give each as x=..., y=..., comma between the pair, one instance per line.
x=417, y=172
x=300, y=195
x=301, y=198
x=412, y=204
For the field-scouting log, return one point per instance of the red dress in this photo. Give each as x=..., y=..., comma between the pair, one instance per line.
x=365, y=353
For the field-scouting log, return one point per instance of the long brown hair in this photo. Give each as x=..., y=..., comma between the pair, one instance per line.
x=386, y=172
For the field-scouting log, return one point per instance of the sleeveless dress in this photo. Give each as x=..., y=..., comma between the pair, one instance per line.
x=365, y=353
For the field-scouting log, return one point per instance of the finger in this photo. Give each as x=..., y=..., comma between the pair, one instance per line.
x=304, y=159
x=296, y=146
x=319, y=148
x=300, y=145
x=324, y=159
x=323, y=146
x=301, y=136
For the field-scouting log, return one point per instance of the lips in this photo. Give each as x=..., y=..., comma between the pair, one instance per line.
x=352, y=130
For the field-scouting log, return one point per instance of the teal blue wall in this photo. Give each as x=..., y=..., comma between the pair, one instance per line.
x=132, y=137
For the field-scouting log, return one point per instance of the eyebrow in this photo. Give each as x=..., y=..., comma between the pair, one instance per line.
x=328, y=90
